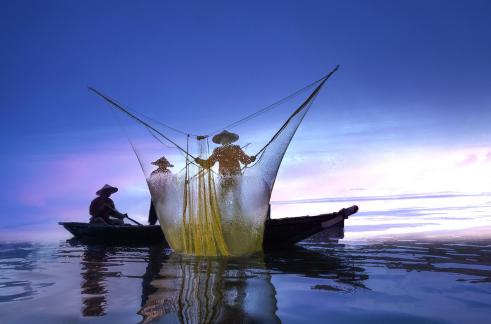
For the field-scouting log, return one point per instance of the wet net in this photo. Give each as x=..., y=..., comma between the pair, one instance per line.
x=211, y=192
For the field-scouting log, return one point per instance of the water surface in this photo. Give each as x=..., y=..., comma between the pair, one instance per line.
x=406, y=281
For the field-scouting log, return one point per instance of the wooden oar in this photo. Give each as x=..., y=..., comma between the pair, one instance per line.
x=131, y=219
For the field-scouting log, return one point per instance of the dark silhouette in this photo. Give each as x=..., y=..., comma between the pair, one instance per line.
x=157, y=255
x=102, y=208
x=152, y=215
x=94, y=275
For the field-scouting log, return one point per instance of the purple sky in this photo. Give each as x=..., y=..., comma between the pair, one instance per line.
x=408, y=112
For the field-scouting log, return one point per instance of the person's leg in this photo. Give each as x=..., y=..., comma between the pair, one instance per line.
x=116, y=221
x=113, y=213
x=152, y=215
x=97, y=220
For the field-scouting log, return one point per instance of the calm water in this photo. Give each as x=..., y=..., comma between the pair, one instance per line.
x=378, y=282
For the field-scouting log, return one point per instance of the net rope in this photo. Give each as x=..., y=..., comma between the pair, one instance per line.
x=205, y=211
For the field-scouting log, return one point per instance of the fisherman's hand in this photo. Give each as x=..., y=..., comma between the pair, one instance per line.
x=201, y=162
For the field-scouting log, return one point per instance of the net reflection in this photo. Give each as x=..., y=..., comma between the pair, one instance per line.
x=203, y=290
x=187, y=289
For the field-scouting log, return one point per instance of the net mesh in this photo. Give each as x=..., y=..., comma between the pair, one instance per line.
x=210, y=194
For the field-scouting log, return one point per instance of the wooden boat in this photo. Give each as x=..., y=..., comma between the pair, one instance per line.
x=278, y=232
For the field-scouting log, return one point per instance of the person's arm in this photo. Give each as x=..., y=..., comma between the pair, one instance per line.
x=244, y=158
x=109, y=204
x=210, y=162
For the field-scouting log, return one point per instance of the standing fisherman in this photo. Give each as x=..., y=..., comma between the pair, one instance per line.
x=155, y=178
x=228, y=156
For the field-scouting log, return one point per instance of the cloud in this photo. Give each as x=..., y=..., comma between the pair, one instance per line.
x=445, y=195
x=405, y=171
x=65, y=178
x=471, y=158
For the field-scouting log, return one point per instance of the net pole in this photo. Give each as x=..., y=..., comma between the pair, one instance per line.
x=299, y=109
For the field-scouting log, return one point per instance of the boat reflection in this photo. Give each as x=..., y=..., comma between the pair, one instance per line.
x=337, y=273
x=185, y=289
x=470, y=261
x=201, y=290
x=157, y=255
x=190, y=289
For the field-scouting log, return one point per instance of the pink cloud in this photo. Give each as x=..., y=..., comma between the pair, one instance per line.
x=74, y=177
x=470, y=159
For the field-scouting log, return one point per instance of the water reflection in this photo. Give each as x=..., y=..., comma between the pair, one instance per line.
x=338, y=269
x=178, y=288
x=97, y=265
x=157, y=255
x=151, y=283
x=470, y=261
x=209, y=290
x=94, y=273
x=201, y=290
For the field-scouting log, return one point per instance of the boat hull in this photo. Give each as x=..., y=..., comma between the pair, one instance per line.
x=278, y=232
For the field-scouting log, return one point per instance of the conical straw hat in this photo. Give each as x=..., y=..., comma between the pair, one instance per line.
x=162, y=162
x=225, y=136
x=106, y=188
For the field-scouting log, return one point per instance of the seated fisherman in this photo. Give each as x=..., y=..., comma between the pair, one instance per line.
x=102, y=208
x=228, y=156
x=162, y=165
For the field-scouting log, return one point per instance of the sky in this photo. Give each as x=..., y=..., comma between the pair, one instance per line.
x=408, y=112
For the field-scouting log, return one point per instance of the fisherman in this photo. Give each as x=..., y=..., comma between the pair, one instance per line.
x=156, y=178
x=227, y=155
x=162, y=165
x=102, y=208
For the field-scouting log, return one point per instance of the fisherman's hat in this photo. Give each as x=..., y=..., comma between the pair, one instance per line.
x=107, y=188
x=225, y=136
x=162, y=162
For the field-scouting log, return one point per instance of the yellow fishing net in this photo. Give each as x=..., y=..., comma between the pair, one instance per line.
x=212, y=195
x=203, y=212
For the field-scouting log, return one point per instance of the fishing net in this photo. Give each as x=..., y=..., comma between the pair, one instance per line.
x=211, y=192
